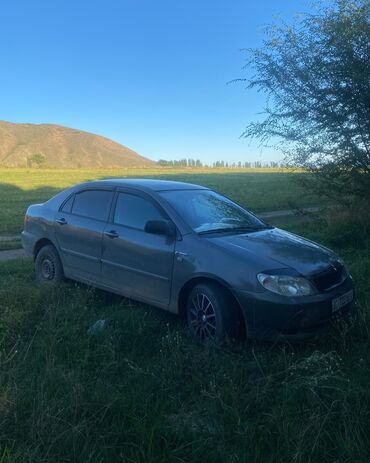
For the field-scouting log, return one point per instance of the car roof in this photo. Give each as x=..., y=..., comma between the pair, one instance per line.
x=145, y=184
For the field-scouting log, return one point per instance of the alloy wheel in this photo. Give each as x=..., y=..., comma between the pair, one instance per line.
x=202, y=317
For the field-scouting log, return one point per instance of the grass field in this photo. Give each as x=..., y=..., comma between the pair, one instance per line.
x=262, y=190
x=143, y=391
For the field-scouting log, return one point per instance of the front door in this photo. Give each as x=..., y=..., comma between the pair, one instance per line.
x=79, y=228
x=136, y=263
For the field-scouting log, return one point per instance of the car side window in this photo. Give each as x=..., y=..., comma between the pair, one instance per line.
x=134, y=211
x=94, y=204
x=67, y=206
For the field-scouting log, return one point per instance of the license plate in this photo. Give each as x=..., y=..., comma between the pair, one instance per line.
x=342, y=300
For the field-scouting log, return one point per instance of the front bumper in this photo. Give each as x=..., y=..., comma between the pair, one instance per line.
x=272, y=317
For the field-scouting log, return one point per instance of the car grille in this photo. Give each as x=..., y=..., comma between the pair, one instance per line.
x=330, y=277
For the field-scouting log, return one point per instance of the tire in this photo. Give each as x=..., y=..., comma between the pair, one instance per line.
x=49, y=269
x=212, y=313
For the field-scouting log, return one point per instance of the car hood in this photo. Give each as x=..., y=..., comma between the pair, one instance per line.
x=279, y=246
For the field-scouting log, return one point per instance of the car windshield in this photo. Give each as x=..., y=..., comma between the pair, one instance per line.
x=208, y=212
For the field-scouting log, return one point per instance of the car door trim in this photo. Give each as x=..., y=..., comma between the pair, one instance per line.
x=80, y=254
x=126, y=267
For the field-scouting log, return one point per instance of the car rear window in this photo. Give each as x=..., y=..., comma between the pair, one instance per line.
x=94, y=204
x=134, y=211
x=67, y=206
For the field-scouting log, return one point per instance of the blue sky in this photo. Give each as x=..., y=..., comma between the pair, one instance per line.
x=150, y=74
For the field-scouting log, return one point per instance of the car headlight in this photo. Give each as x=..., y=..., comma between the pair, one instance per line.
x=286, y=285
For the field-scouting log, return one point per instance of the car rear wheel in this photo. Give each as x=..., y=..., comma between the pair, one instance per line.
x=48, y=266
x=212, y=313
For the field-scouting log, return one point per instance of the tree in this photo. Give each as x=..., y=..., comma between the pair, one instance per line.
x=316, y=77
x=36, y=159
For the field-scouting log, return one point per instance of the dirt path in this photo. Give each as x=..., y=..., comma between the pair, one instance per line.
x=11, y=255
x=10, y=237
x=17, y=253
x=287, y=212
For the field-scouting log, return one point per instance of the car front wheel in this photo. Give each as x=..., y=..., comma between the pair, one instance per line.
x=212, y=313
x=48, y=266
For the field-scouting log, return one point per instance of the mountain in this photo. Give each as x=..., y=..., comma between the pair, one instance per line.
x=48, y=145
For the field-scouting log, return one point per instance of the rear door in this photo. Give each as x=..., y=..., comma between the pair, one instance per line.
x=136, y=263
x=79, y=227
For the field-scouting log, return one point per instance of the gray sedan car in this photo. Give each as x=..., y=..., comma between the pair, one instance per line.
x=192, y=251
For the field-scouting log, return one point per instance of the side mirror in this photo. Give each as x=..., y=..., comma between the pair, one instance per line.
x=160, y=227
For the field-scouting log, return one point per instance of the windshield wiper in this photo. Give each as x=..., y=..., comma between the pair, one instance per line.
x=232, y=229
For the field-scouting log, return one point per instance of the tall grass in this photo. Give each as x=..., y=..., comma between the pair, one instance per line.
x=142, y=391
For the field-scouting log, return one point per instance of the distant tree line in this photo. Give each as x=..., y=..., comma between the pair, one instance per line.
x=220, y=164
x=247, y=164
x=181, y=163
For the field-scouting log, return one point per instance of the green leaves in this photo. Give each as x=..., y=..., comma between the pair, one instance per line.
x=316, y=75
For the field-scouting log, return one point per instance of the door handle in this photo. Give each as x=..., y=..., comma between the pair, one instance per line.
x=111, y=234
x=61, y=221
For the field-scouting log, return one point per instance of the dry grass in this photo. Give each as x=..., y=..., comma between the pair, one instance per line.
x=57, y=146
